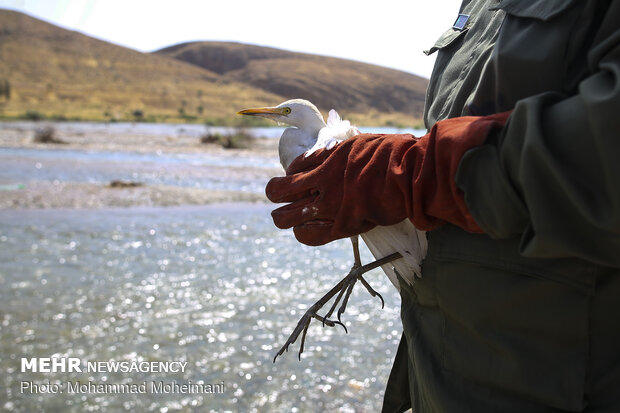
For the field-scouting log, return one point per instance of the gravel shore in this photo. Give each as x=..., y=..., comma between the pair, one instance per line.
x=28, y=190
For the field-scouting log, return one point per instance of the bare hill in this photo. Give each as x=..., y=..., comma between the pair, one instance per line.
x=329, y=82
x=54, y=72
x=63, y=73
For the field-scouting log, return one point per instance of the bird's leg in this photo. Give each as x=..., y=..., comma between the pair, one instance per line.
x=344, y=286
x=357, y=267
x=357, y=264
x=355, y=242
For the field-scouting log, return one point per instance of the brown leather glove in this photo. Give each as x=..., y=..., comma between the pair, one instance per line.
x=371, y=180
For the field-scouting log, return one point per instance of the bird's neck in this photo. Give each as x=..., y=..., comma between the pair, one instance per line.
x=313, y=128
x=294, y=142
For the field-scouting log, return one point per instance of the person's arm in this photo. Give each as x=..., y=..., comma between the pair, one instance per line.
x=371, y=180
x=552, y=176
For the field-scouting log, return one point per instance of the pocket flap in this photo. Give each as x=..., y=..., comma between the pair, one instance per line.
x=446, y=39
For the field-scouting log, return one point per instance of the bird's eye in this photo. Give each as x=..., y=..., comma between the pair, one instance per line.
x=286, y=111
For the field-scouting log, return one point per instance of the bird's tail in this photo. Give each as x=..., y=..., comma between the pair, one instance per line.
x=403, y=238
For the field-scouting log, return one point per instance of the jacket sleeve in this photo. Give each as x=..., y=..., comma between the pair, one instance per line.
x=552, y=175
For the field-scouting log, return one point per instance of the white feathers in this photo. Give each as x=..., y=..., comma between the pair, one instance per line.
x=307, y=122
x=335, y=132
x=293, y=143
x=309, y=134
x=404, y=238
x=381, y=241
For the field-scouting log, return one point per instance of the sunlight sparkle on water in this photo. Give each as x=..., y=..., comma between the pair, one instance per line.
x=219, y=287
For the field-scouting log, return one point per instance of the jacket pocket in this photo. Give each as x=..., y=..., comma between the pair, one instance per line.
x=448, y=38
x=510, y=324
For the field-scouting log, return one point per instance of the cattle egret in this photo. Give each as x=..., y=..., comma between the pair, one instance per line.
x=399, y=249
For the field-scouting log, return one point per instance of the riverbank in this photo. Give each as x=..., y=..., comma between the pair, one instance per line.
x=135, y=137
x=42, y=195
x=155, y=166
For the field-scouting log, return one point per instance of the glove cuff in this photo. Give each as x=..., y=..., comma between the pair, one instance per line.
x=437, y=197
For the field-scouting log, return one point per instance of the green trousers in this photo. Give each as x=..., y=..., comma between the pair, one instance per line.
x=486, y=330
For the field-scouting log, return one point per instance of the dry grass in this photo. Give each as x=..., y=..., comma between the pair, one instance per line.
x=64, y=74
x=60, y=74
x=353, y=87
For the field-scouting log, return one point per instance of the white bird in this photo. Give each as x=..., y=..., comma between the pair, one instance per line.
x=398, y=248
x=309, y=134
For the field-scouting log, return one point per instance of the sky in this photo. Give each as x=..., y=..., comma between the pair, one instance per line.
x=391, y=33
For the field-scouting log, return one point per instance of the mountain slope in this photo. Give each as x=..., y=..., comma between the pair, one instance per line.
x=329, y=82
x=56, y=72
x=65, y=73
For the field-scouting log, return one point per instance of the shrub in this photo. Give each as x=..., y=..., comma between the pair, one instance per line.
x=237, y=140
x=33, y=115
x=210, y=138
x=46, y=134
x=138, y=115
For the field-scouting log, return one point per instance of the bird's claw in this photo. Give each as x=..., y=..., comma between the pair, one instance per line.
x=343, y=290
x=372, y=291
x=302, y=328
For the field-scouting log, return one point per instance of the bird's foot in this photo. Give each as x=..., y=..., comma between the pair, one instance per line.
x=349, y=281
x=342, y=291
x=302, y=328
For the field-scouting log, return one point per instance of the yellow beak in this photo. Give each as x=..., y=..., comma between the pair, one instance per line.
x=266, y=112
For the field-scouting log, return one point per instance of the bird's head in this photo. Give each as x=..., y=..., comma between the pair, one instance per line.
x=295, y=112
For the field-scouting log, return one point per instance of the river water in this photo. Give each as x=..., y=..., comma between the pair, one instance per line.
x=218, y=287
x=189, y=130
x=205, y=171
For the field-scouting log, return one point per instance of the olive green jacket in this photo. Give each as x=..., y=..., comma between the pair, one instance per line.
x=504, y=321
x=553, y=177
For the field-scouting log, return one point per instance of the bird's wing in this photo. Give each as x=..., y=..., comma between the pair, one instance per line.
x=335, y=132
x=404, y=238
